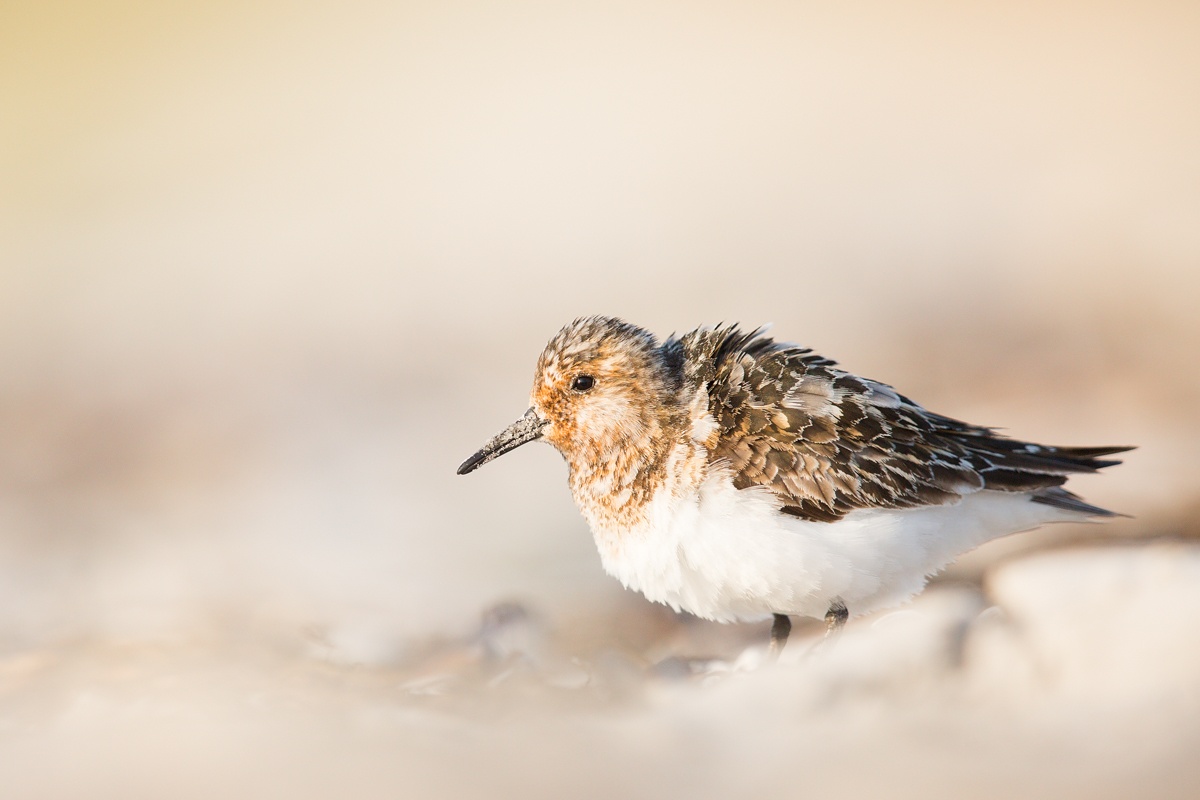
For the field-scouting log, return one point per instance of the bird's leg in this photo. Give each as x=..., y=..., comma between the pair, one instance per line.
x=780, y=629
x=835, y=618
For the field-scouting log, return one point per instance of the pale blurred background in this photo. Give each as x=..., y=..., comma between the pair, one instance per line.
x=269, y=273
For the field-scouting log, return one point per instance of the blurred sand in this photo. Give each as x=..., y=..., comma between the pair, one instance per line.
x=268, y=275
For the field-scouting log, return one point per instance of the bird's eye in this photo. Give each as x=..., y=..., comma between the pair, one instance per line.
x=582, y=383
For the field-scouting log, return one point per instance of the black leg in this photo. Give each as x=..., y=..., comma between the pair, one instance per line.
x=835, y=620
x=780, y=629
x=835, y=617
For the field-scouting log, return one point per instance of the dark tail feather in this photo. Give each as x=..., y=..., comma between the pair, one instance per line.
x=1058, y=497
x=1045, y=459
x=1093, y=452
x=1090, y=456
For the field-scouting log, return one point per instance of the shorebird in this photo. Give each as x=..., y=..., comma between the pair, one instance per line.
x=739, y=478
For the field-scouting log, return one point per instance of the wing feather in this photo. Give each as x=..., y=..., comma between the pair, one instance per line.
x=826, y=442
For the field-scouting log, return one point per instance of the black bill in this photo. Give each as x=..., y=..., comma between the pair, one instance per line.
x=526, y=429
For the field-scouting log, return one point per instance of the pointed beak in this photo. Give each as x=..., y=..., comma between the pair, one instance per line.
x=526, y=429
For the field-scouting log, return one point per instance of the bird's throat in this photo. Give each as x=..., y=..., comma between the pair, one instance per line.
x=614, y=481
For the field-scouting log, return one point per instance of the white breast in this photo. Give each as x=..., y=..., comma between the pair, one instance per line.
x=724, y=554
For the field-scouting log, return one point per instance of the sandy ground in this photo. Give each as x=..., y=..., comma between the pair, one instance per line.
x=267, y=276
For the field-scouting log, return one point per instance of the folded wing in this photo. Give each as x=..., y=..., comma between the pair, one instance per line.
x=826, y=442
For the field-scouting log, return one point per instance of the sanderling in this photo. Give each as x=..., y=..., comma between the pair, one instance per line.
x=735, y=477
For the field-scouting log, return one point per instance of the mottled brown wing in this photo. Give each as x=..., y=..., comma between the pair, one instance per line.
x=826, y=442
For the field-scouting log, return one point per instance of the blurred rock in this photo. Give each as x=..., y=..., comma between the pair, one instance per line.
x=510, y=631
x=1117, y=625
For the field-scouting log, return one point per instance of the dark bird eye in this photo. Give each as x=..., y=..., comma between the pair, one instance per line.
x=582, y=383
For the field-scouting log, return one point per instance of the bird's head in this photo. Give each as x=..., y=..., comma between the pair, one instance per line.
x=600, y=384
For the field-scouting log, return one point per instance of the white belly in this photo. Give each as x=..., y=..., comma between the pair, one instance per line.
x=726, y=554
